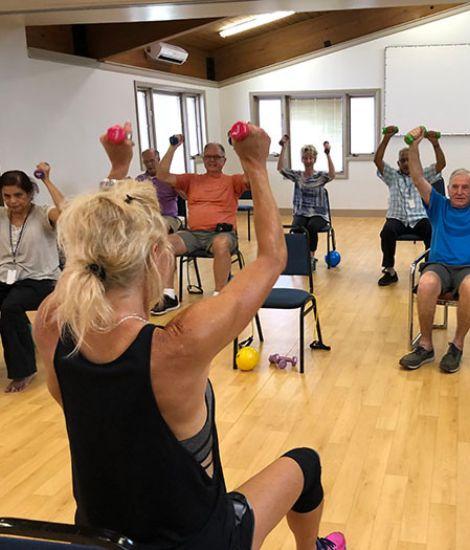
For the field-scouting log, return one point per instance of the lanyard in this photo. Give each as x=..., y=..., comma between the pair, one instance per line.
x=15, y=251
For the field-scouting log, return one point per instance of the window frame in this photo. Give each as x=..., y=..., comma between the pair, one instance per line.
x=201, y=117
x=345, y=96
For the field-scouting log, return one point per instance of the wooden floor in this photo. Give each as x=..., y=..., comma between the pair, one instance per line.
x=395, y=445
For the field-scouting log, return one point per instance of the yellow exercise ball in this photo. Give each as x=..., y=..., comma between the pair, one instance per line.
x=247, y=358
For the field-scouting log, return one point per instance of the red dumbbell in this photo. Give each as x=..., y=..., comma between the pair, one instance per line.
x=282, y=360
x=238, y=132
x=116, y=134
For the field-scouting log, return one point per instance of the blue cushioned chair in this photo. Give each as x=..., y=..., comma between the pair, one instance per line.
x=298, y=263
x=18, y=533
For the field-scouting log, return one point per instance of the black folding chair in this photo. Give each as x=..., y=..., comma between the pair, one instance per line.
x=329, y=230
x=248, y=208
x=16, y=533
x=237, y=258
x=298, y=263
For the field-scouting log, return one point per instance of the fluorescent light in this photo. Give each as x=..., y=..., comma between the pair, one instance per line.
x=253, y=22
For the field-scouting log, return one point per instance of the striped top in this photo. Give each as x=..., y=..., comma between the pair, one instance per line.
x=309, y=193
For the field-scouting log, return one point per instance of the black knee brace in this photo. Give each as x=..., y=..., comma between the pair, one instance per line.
x=312, y=493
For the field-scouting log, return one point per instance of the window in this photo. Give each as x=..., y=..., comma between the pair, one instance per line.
x=163, y=113
x=347, y=119
x=270, y=119
x=313, y=121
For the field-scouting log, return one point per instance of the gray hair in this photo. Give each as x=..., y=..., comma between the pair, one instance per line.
x=459, y=172
x=309, y=149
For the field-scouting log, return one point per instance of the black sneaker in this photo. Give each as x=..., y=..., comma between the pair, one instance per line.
x=388, y=279
x=450, y=362
x=167, y=304
x=313, y=263
x=419, y=356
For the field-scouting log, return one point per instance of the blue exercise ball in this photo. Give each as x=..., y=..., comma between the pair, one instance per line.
x=333, y=258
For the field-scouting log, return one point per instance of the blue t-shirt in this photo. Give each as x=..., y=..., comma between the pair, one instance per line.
x=450, y=243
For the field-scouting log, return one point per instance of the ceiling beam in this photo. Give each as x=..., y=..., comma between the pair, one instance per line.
x=329, y=28
x=55, y=12
x=114, y=38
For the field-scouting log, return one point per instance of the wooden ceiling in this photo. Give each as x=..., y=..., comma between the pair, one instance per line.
x=216, y=58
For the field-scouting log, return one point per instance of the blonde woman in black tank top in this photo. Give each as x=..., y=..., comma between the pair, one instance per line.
x=137, y=401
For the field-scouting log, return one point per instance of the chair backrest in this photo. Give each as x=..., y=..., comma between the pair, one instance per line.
x=440, y=186
x=18, y=533
x=325, y=190
x=246, y=195
x=298, y=254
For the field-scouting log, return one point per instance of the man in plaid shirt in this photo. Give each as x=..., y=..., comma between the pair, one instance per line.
x=406, y=212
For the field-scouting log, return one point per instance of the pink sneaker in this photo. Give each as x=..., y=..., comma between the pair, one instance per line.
x=333, y=541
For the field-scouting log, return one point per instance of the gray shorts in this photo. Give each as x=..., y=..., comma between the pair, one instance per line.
x=202, y=240
x=451, y=276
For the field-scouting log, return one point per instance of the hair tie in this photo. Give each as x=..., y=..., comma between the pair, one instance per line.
x=97, y=270
x=129, y=199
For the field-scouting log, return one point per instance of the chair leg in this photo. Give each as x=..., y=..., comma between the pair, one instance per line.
x=180, y=282
x=411, y=308
x=234, y=354
x=198, y=276
x=333, y=237
x=301, y=350
x=258, y=328
x=328, y=247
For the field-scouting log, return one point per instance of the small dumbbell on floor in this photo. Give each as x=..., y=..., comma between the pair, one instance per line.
x=282, y=360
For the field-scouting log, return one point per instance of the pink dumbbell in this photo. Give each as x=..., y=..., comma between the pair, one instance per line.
x=116, y=134
x=282, y=360
x=238, y=132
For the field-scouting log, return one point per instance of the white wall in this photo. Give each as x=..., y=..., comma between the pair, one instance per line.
x=357, y=67
x=55, y=112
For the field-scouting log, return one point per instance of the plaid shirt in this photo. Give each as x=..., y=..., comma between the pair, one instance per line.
x=309, y=193
x=405, y=203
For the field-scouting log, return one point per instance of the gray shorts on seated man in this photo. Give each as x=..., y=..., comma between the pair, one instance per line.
x=451, y=276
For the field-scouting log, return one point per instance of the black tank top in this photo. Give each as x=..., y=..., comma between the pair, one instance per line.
x=130, y=473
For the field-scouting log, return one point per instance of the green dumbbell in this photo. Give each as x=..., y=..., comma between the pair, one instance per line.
x=409, y=138
x=384, y=130
x=432, y=134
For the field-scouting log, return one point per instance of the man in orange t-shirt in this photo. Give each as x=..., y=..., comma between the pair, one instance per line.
x=212, y=218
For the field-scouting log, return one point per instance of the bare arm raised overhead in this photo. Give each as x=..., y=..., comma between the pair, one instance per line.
x=433, y=138
x=389, y=131
x=282, y=160
x=416, y=168
x=331, y=166
x=163, y=170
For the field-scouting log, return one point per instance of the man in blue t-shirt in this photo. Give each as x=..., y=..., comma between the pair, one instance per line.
x=448, y=267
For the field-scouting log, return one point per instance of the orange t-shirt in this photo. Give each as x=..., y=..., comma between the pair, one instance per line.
x=211, y=200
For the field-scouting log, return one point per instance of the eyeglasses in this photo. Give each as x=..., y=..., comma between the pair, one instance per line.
x=213, y=157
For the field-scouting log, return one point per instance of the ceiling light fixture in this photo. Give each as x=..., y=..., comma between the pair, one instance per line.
x=253, y=22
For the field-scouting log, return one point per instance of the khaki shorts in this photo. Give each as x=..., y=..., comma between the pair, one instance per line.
x=173, y=224
x=202, y=240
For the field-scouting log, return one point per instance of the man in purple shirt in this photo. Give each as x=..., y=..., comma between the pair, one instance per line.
x=167, y=196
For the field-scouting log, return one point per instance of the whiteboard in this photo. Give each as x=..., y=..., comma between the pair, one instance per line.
x=429, y=86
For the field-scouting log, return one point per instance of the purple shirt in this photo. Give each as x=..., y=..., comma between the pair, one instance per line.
x=166, y=195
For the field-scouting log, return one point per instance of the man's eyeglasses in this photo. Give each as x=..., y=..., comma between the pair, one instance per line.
x=213, y=157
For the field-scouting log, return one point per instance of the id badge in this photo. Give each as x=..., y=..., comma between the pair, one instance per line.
x=12, y=274
x=411, y=203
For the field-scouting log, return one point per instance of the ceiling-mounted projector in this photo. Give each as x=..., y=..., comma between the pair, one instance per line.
x=161, y=51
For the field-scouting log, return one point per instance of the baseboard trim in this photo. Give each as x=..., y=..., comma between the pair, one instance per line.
x=346, y=213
